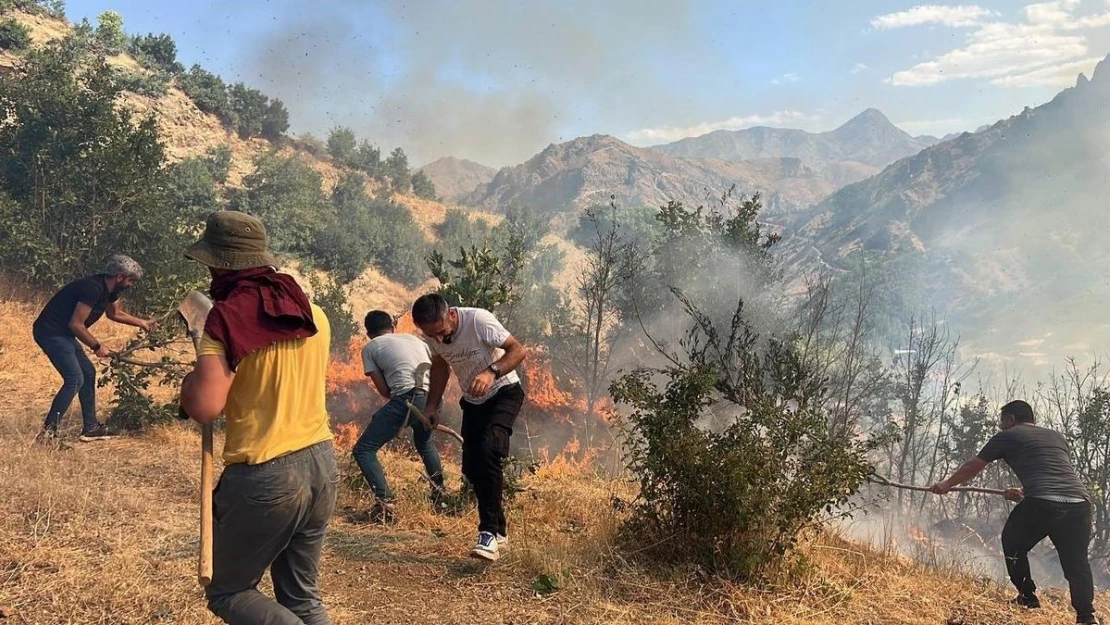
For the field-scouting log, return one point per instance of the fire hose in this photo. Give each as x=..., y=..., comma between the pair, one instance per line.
x=878, y=479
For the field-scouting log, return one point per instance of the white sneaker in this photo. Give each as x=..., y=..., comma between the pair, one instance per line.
x=486, y=548
x=502, y=541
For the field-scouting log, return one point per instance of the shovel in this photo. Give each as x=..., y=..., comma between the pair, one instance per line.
x=193, y=311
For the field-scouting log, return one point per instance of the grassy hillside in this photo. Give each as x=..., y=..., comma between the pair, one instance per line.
x=187, y=131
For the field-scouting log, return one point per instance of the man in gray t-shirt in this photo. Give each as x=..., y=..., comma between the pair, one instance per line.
x=397, y=365
x=473, y=344
x=1053, y=502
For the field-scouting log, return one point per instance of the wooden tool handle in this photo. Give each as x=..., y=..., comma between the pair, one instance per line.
x=207, y=469
x=204, y=565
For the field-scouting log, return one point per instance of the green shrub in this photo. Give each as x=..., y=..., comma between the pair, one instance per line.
x=734, y=454
x=209, y=93
x=151, y=85
x=13, y=35
x=423, y=187
x=157, y=53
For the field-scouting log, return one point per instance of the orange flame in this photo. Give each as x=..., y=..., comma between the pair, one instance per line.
x=917, y=535
x=346, y=435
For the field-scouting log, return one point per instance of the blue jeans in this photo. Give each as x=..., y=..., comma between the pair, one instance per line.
x=384, y=425
x=78, y=379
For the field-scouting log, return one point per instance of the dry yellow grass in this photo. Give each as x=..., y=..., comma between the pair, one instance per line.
x=107, y=533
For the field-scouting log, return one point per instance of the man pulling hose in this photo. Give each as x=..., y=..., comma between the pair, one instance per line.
x=1052, y=502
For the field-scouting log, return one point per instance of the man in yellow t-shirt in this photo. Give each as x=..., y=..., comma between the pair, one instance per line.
x=262, y=363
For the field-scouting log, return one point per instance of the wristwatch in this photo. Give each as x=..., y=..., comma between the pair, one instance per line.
x=495, y=369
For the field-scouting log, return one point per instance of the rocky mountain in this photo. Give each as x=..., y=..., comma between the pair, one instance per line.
x=1004, y=229
x=570, y=176
x=860, y=148
x=454, y=178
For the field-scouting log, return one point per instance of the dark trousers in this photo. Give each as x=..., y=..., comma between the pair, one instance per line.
x=486, y=429
x=383, y=426
x=272, y=516
x=1068, y=526
x=78, y=380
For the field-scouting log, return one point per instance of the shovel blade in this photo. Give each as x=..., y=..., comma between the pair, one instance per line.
x=194, y=310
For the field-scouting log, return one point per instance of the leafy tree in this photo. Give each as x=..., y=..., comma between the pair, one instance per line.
x=250, y=107
x=397, y=168
x=346, y=245
x=342, y=145
x=475, y=278
x=156, y=52
x=14, y=36
x=85, y=179
x=109, y=32
x=368, y=159
x=423, y=187
x=400, y=247
x=209, y=93
x=287, y=194
x=459, y=230
x=275, y=121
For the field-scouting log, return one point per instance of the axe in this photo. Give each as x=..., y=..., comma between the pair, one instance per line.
x=193, y=311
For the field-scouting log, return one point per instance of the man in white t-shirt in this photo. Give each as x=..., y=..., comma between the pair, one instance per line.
x=473, y=343
x=392, y=361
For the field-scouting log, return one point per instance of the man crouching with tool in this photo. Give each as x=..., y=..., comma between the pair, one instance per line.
x=1052, y=502
x=397, y=365
x=262, y=362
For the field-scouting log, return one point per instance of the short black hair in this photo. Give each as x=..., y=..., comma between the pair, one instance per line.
x=377, y=321
x=429, y=308
x=1019, y=410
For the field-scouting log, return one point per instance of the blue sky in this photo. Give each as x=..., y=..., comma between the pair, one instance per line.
x=497, y=80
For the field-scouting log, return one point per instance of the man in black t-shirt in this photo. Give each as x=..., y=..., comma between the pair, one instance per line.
x=64, y=324
x=1052, y=502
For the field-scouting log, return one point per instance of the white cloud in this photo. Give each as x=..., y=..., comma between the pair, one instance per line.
x=786, y=78
x=666, y=134
x=1053, y=76
x=859, y=67
x=957, y=16
x=1043, y=48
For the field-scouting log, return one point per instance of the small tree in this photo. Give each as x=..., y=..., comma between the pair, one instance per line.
x=109, y=32
x=209, y=93
x=423, y=187
x=475, y=278
x=397, y=168
x=342, y=145
x=369, y=159
x=582, y=348
x=287, y=194
x=275, y=121
x=250, y=107
x=157, y=52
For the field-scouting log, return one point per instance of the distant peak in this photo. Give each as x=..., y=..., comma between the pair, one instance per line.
x=1102, y=70
x=870, y=118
